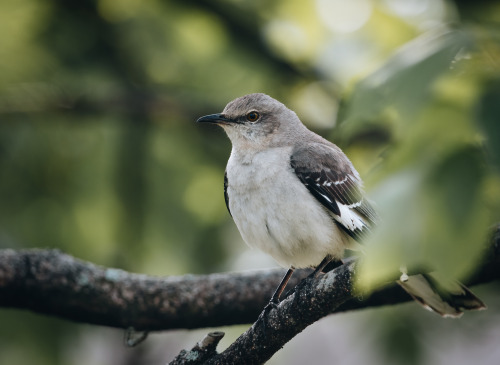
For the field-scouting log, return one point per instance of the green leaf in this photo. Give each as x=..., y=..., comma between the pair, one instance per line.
x=489, y=120
x=403, y=83
x=432, y=216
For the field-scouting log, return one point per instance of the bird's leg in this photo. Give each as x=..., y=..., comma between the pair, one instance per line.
x=332, y=265
x=321, y=266
x=324, y=263
x=275, y=299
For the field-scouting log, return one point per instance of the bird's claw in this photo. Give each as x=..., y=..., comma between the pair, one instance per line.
x=265, y=312
x=299, y=287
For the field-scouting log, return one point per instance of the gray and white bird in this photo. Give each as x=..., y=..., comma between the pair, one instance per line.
x=297, y=197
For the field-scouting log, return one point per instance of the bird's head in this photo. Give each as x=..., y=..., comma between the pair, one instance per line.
x=257, y=120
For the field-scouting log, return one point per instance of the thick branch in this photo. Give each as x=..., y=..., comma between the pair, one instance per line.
x=314, y=300
x=50, y=282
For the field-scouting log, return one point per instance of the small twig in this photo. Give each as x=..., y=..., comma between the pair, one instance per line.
x=201, y=352
x=133, y=338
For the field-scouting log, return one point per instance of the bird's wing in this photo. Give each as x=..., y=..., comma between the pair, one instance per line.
x=226, y=196
x=331, y=179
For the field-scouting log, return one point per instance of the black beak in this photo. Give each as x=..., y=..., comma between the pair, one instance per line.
x=214, y=118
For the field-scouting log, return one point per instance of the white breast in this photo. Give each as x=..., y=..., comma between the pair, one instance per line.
x=275, y=212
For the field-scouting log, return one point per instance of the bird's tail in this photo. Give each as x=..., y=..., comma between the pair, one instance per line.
x=449, y=298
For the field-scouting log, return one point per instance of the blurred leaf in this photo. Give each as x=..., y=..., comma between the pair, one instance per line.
x=456, y=181
x=433, y=216
x=403, y=82
x=457, y=220
x=489, y=120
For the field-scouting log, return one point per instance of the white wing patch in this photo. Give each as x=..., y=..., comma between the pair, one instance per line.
x=349, y=218
x=326, y=197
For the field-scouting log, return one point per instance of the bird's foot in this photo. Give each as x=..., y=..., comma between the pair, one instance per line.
x=273, y=304
x=309, y=278
x=332, y=265
x=300, y=286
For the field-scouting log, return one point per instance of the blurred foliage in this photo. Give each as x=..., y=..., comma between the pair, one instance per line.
x=100, y=155
x=434, y=188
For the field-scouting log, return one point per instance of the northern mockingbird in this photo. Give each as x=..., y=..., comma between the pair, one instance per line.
x=297, y=197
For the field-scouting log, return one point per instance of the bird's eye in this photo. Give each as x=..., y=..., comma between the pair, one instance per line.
x=252, y=116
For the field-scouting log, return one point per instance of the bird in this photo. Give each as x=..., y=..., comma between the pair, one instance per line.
x=297, y=197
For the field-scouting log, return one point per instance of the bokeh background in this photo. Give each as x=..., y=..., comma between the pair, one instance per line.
x=100, y=156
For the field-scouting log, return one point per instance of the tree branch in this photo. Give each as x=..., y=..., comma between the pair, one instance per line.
x=312, y=301
x=54, y=283
x=315, y=299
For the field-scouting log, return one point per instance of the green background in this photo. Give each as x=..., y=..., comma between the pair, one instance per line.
x=100, y=156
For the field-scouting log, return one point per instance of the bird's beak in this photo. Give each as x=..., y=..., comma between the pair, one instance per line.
x=214, y=118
